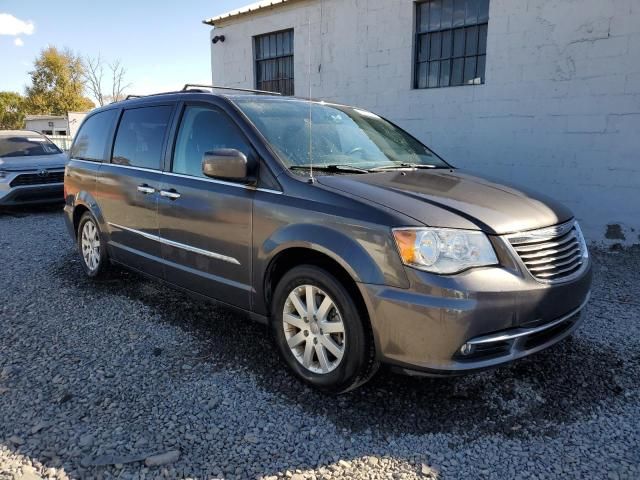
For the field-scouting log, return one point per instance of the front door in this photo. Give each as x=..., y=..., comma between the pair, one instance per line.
x=205, y=224
x=128, y=187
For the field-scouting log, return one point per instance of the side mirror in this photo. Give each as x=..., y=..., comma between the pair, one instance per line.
x=225, y=163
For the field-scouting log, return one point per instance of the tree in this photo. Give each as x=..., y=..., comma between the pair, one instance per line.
x=12, y=111
x=94, y=70
x=57, y=83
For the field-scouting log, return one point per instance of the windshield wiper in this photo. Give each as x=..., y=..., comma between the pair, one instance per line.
x=402, y=166
x=330, y=168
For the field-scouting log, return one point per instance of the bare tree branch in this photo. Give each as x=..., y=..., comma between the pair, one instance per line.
x=94, y=74
x=118, y=85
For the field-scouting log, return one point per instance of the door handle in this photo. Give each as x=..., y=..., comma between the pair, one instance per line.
x=146, y=189
x=171, y=194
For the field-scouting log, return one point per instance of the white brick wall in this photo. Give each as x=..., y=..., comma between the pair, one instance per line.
x=559, y=112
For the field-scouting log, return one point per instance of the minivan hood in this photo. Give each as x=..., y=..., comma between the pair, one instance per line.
x=453, y=199
x=57, y=160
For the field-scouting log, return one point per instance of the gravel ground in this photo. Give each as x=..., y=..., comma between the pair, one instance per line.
x=125, y=378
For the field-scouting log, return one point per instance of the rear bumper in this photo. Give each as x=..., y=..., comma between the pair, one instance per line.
x=68, y=219
x=32, y=194
x=497, y=314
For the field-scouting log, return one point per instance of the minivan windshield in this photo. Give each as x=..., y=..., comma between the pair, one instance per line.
x=345, y=138
x=26, y=146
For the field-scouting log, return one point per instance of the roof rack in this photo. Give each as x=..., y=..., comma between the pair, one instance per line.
x=189, y=86
x=197, y=88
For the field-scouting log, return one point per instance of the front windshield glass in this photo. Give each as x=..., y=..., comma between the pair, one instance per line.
x=26, y=146
x=343, y=136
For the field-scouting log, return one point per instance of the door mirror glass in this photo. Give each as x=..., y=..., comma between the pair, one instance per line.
x=226, y=164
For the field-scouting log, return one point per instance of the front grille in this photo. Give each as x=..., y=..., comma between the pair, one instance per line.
x=552, y=254
x=37, y=179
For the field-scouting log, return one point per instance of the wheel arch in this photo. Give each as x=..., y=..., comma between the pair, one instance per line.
x=84, y=202
x=339, y=250
x=293, y=256
x=321, y=246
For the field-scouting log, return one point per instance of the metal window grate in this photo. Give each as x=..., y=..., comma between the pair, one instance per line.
x=451, y=42
x=274, y=62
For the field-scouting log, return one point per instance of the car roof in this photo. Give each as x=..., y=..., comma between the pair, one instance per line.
x=135, y=100
x=19, y=133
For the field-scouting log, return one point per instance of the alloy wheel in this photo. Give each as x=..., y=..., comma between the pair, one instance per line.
x=314, y=329
x=90, y=243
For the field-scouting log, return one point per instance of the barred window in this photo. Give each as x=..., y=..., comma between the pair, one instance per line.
x=274, y=61
x=451, y=42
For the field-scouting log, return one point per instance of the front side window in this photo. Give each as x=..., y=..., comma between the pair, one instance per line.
x=26, y=146
x=451, y=42
x=274, y=62
x=311, y=133
x=141, y=136
x=202, y=130
x=91, y=141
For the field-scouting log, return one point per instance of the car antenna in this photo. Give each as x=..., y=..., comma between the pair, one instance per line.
x=311, y=179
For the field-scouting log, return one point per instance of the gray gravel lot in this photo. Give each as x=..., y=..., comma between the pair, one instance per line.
x=125, y=378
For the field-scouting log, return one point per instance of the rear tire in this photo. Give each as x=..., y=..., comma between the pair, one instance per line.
x=329, y=346
x=92, y=247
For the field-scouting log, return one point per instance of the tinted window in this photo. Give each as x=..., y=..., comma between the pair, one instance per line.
x=91, y=140
x=26, y=146
x=202, y=130
x=140, y=137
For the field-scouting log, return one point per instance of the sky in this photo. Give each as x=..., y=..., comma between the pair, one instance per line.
x=162, y=44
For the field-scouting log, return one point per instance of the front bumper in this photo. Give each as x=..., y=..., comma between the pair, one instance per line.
x=32, y=194
x=501, y=314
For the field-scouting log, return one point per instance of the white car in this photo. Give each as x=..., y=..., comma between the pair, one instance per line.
x=31, y=168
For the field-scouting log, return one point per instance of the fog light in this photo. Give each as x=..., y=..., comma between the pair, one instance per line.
x=466, y=349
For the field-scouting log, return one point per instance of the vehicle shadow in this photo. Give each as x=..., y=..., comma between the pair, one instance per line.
x=535, y=394
x=21, y=211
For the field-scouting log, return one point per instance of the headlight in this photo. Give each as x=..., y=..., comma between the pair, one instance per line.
x=444, y=250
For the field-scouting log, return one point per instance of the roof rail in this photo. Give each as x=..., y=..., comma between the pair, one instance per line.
x=133, y=96
x=189, y=86
x=195, y=88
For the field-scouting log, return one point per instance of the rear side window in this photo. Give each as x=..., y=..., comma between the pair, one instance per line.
x=140, y=137
x=91, y=140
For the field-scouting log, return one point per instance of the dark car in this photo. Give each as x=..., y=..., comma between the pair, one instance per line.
x=353, y=241
x=31, y=168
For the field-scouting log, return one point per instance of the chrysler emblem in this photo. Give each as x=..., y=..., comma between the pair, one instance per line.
x=43, y=173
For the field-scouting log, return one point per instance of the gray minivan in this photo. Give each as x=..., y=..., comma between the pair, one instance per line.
x=353, y=241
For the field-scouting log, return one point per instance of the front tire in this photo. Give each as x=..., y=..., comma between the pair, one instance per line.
x=320, y=332
x=92, y=248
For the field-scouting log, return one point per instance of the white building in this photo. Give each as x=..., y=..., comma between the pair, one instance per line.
x=550, y=95
x=55, y=125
